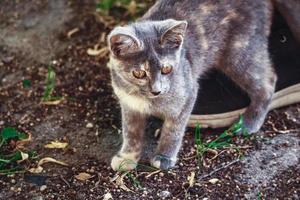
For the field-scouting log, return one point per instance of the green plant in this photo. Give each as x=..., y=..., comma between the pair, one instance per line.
x=223, y=140
x=123, y=9
x=106, y=5
x=9, y=161
x=130, y=175
x=50, y=85
x=26, y=83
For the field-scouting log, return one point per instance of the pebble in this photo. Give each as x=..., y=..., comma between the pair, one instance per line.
x=89, y=125
x=43, y=188
x=13, y=181
x=164, y=194
x=161, y=174
x=37, y=198
x=8, y=59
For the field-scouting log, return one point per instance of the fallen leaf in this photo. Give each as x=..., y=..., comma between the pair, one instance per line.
x=191, y=179
x=214, y=180
x=21, y=143
x=96, y=52
x=24, y=156
x=39, y=167
x=48, y=159
x=56, y=145
x=71, y=32
x=36, y=170
x=132, y=7
x=119, y=181
x=53, y=103
x=83, y=176
x=107, y=196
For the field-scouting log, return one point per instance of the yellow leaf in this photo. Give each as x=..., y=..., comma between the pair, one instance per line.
x=39, y=167
x=96, y=52
x=56, y=145
x=36, y=170
x=53, y=103
x=132, y=8
x=48, y=159
x=191, y=179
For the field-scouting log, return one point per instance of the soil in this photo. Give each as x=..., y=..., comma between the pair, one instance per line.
x=34, y=34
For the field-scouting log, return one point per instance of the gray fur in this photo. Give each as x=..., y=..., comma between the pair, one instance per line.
x=231, y=36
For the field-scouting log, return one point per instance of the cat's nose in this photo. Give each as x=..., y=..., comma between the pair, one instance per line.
x=155, y=93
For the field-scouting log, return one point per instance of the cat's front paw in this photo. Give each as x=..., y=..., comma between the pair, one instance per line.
x=163, y=162
x=124, y=162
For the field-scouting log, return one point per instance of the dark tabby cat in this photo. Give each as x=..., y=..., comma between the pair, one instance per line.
x=156, y=63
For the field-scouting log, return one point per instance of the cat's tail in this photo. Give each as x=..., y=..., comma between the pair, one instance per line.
x=290, y=10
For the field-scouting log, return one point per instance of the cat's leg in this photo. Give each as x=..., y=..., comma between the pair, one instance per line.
x=133, y=126
x=171, y=137
x=253, y=72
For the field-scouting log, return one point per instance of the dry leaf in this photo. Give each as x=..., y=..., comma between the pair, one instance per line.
x=132, y=8
x=97, y=52
x=119, y=181
x=20, y=144
x=214, y=180
x=71, y=32
x=53, y=103
x=48, y=159
x=56, y=145
x=39, y=167
x=191, y=179
x=36, y=170
x=83, y=176
x=107, y=196
x=25, y=156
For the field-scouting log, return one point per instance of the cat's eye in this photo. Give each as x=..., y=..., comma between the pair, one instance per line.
x=138, y=73
x=166, y=69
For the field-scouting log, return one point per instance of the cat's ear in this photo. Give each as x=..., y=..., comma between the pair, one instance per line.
x=173, y=33
x=122, y=41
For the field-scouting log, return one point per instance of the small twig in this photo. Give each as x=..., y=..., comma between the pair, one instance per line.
x=189, y=158
x=152, y=173
x=283, y=131
x=215, y=156
x=65, y=181
x=218, y=169
x=98, y=182
x=239, y=147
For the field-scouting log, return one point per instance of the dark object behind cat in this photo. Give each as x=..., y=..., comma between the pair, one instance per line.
x=156, y=63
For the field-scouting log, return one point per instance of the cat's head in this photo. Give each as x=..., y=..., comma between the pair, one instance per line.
x=147, y=54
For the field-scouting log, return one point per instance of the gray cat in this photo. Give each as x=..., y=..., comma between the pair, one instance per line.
x=156, y=63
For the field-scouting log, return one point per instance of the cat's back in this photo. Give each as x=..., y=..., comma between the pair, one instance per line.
x=213, y=13
x=184, y=9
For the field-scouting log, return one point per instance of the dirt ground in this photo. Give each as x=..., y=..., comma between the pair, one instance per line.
x=36, y=33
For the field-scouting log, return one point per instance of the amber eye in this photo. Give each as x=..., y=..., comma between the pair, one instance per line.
x=137, y=73
x=166, y=69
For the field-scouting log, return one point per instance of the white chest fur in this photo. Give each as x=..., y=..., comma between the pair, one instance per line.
x=133, y=102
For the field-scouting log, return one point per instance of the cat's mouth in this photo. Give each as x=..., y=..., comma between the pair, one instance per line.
x=149, y=95
x=153, y=96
